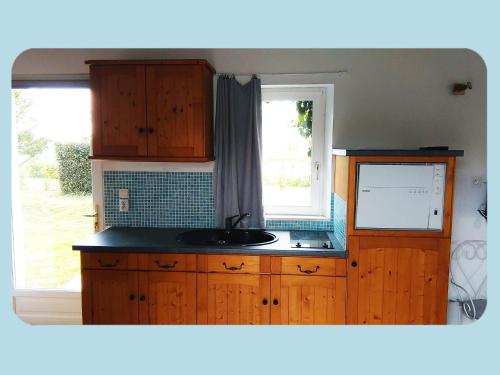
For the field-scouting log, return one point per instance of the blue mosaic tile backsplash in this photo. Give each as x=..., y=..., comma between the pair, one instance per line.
x=160, y=199
x=186, y=199
x=339, y=219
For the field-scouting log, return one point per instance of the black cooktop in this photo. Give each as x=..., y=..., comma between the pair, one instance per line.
x=310, y=240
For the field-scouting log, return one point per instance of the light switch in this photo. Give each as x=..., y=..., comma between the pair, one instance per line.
x=123, y=193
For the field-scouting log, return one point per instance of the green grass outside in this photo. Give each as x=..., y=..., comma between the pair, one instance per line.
x=52, y=222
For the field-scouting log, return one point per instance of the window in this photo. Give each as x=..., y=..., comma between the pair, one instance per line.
x=296, y=160
x=51, y=184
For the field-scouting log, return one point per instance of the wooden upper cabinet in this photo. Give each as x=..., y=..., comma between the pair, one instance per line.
x=179, y=118
x=152, y=110
x=119, y=110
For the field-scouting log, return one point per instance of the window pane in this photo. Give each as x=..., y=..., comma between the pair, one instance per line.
x=52, y=186
x=287, y=142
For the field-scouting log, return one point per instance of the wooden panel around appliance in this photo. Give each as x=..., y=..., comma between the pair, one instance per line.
x=395, y=280
x=341, y=176
x=448, y=197
x=110, y=297
x=170, y=262
x=109, y=261
x=308, y=300
x=170, y=297
x=118, y=110
x=313, y=266
x=233, y=299
x=233, y=263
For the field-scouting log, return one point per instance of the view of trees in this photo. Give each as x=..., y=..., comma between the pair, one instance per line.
x=304, y=120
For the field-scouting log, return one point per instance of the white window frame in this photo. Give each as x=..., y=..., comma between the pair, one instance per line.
x=322, y=96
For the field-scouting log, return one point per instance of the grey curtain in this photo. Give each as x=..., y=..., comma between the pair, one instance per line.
x=238, y=151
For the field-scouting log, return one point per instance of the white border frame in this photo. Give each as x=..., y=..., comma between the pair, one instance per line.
x=322, y=143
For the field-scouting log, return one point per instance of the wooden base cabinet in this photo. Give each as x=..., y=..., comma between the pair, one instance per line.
x=133, y=297
x=132, y=288
x=397, y=280
x=110, y=297
x=233, y=299
x=171, y=297
x=308, y=300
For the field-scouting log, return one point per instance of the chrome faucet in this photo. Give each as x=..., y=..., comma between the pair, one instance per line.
x=229, y=221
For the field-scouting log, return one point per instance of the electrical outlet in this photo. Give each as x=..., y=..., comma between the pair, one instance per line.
x=123, y=205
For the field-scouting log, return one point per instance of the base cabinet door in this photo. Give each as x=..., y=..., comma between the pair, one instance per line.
x=397, y=280
x=170, y=297
x=233, y=299
x=110, y=297
x=308, y=299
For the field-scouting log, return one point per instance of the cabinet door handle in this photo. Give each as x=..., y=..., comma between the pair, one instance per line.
x=307, y=271
x=142, y=298
x=174, y=109
x=131, y=297
x=108, y=265
x=264, y=301
x=275, y=302
x=233, y=268
x=151, y=130
x=354, y=263
x=166, y=265
x=141, y=130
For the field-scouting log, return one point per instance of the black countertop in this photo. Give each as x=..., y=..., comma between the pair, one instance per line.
x=397, y=152
x=164, y=240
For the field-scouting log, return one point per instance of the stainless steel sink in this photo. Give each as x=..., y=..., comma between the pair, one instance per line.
x=221, y=237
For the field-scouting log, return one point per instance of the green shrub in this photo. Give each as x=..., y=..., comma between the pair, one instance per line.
x=74, y=168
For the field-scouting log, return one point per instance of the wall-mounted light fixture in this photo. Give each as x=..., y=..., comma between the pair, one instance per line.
x=459, y=88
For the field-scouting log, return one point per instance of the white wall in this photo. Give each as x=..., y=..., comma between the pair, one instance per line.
x=388, y=99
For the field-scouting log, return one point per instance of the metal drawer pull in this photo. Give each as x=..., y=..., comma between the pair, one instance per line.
x=307, y=271
x=166, y=265
x=233, y=268
x=108, y=265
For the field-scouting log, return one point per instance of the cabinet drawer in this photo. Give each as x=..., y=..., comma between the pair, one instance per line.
x=170, y=262
x=308, y=266
x=233, y=263
x=109, y=261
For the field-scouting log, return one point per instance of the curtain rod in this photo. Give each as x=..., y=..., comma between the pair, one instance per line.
x=340, y=72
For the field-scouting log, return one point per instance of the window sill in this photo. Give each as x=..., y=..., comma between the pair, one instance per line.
x=297, y=217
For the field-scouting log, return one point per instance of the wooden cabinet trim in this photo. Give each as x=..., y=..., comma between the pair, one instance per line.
x=153, y=62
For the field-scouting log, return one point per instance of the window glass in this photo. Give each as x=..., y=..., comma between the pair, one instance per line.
x=51, y=185
x=293, y=128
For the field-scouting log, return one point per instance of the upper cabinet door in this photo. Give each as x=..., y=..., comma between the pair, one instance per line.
x=119, y=110
x=179, y=115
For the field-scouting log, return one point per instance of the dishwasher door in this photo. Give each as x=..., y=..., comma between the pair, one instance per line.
x=400, y=196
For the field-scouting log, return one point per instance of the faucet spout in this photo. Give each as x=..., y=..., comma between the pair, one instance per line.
x=229, y=221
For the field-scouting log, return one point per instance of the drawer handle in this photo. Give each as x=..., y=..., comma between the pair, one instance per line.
x=108, y=265
x=166, y=265
x=233, y=268
x=307, y=271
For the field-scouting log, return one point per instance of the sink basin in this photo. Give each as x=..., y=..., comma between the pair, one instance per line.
x=221, y=237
